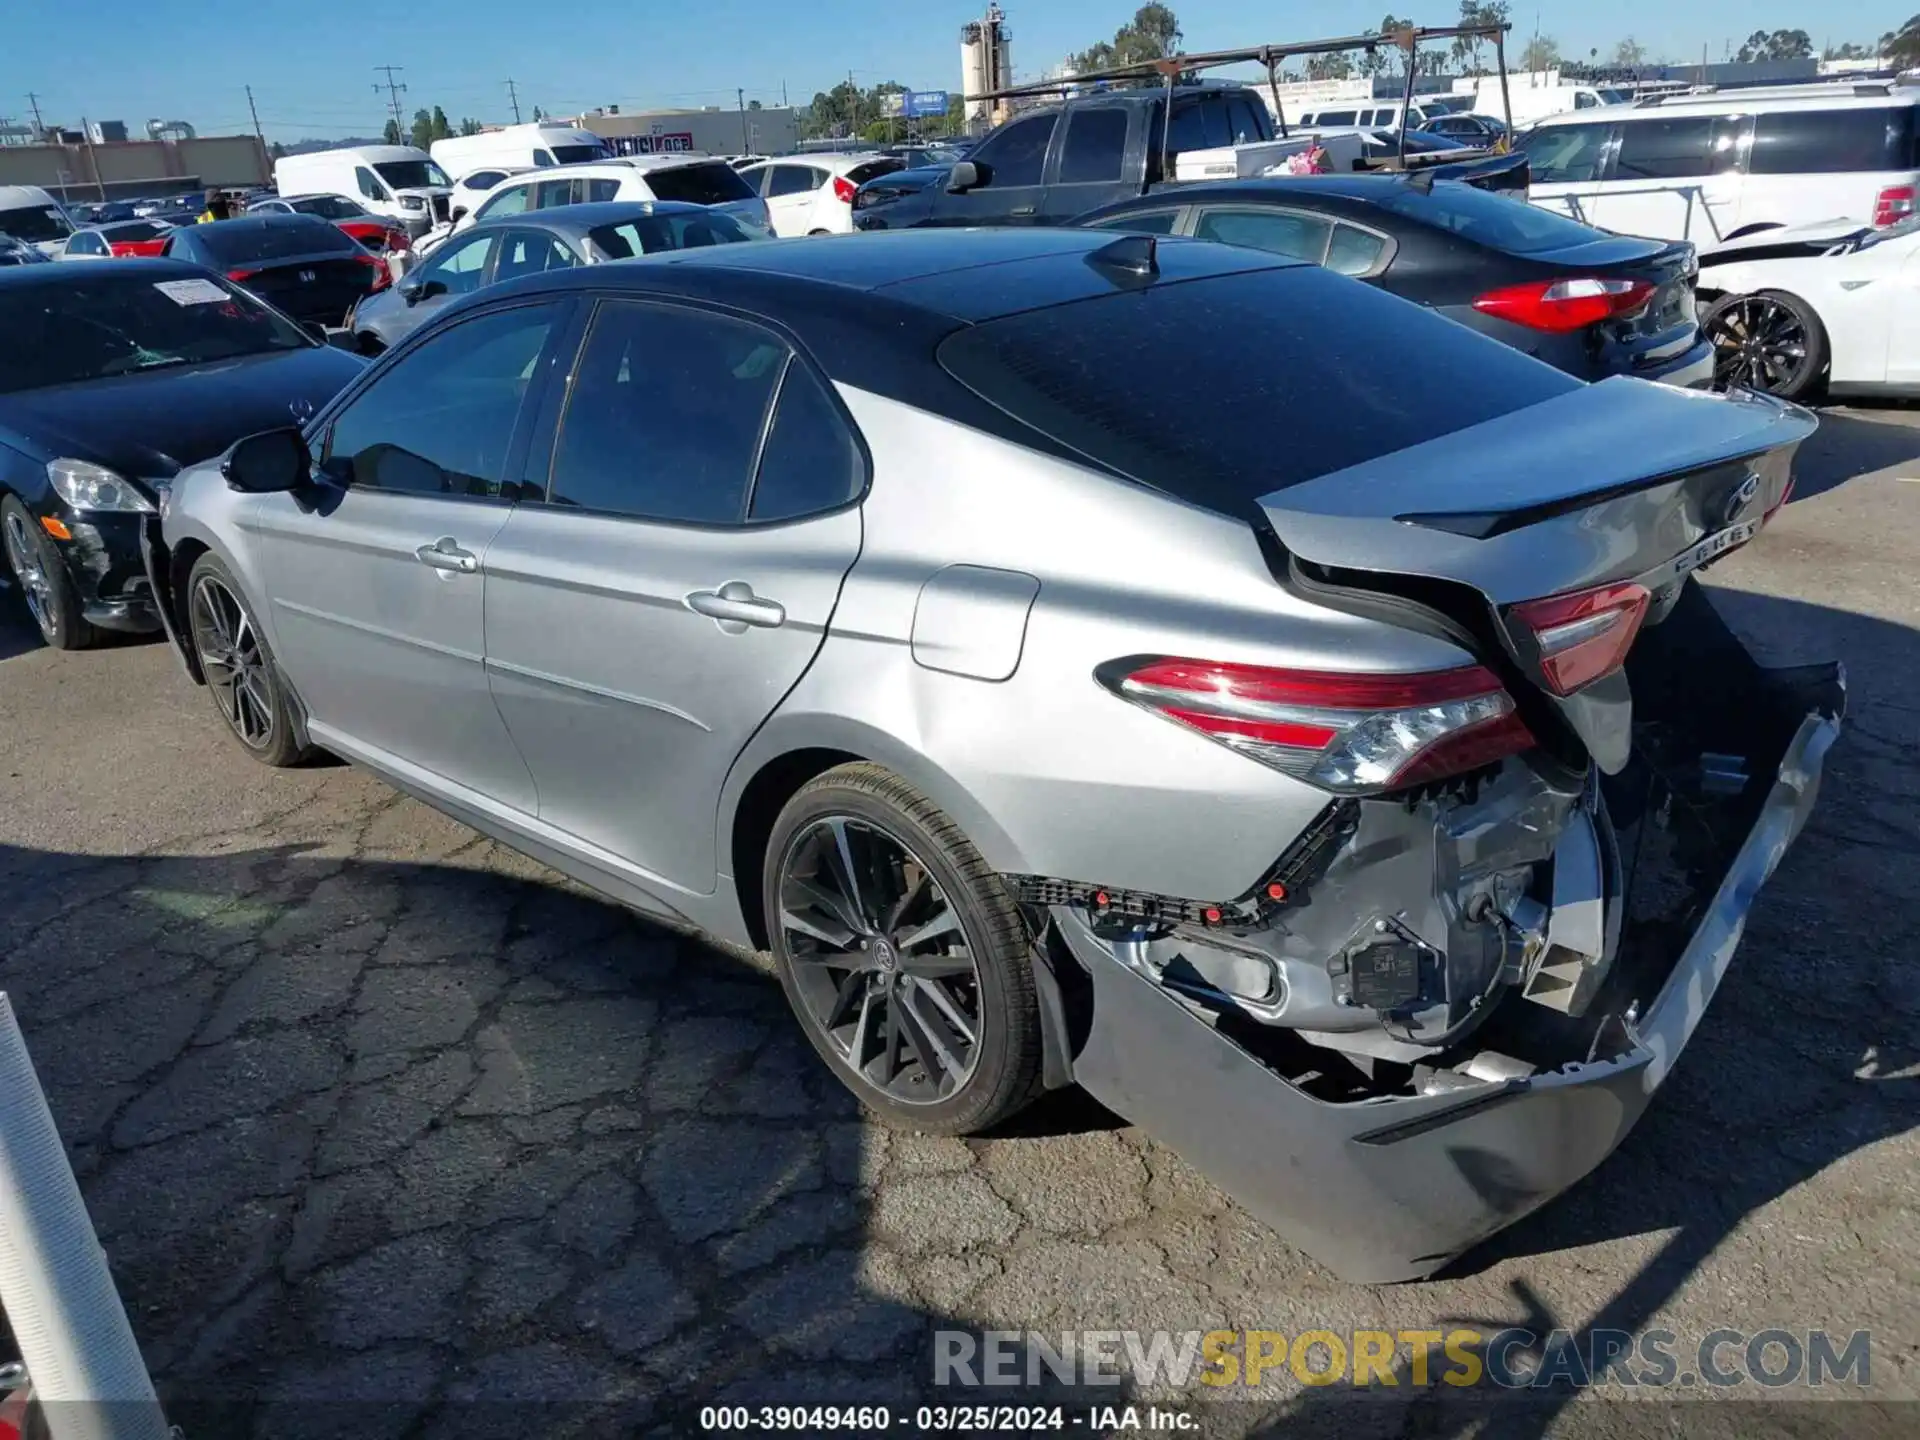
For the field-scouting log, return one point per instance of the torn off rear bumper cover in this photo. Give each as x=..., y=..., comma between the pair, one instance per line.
x=1392, y=1188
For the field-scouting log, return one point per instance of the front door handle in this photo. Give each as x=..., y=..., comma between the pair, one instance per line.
x=736, y=607
x=446, y=554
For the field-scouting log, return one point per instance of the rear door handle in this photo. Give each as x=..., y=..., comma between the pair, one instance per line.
x=1022, y=210
x=736, y=607
x=446, y=554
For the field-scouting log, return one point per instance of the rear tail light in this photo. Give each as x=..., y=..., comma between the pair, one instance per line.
x=1561, y=306
x=241, y=274
x=844, y=189
x=382, y=276
x=398, y=240
x=1584, y=636
x=1893, y=205
x=1355, y=734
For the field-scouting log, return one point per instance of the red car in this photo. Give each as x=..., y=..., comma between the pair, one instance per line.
x=379, y=236
x=126, y=237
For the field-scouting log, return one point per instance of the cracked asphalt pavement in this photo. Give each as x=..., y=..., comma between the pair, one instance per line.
x=389, y=1130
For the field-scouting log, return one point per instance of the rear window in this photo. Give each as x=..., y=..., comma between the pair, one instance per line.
x=329, y=207
x=267, y=240
x=713, y=183
x=1287, y=387
x=1827, y=142
x=1495, y=221
x=33, y=223
x=131, y=231
x=874, y=169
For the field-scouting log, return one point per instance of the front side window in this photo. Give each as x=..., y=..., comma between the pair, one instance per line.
x=1017, y=155
x=412, y=174
x=1247, y=118
x=512, y=201
x=1096, y=146
x=1565, y=154
x=461, y=268
x=441, y=419
x=369, y=184
x=1676, y=148
x=1281, y=232
x=665, y=414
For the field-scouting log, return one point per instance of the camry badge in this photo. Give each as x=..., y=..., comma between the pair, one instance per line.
x=306, y=277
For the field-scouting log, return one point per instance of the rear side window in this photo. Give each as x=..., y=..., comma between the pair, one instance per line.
x=1565, y=154
x=1827, y=142
x=1355, y=251
x=1336, y=117
x=810, y=462
x=1151, y=222
x=1679, y=148
x=712, y=183
x=665, y=414
x=1491, y=220
x=1281, y=232
x=1298, y=346
x=1096, y=146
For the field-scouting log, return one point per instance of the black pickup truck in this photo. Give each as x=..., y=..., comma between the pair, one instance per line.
x=1043, y=167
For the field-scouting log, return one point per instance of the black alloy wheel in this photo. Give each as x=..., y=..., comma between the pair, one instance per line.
x=1768, y=341
x=901, y=954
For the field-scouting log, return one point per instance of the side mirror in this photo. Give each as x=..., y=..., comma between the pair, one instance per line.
x=457, y=214
x=965, y=176
x=414, y=289
x=316, y=331
x=270, y=463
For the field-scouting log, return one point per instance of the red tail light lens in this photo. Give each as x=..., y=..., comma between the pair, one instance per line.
x=241, y=274
x=1584, y=636
x=844, y=189
x=398, y=240
x=1354, y=734
x=1893, y=205
x=382, y=276
x=1562, y=306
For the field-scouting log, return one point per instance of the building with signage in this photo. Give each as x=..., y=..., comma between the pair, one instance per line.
x=716, y=130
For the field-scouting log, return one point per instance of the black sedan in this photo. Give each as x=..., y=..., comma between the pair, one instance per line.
x=312, y=270
x=1468, y=128
x=899, y=200
x=559, y=238
x=112, y=378
x=1590, y=303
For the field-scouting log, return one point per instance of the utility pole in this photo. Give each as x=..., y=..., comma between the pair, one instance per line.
x=514, y=96
x=394, y=92
x=853, y=108
x=746, y=147
x=39, y=125
x=254, y=111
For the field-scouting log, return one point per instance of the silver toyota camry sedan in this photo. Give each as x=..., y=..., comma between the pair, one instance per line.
x=1077, y=660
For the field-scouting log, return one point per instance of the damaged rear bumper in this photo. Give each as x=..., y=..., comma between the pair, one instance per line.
x=1392, y=1187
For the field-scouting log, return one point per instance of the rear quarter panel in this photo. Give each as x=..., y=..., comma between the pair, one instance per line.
x=1046, y=770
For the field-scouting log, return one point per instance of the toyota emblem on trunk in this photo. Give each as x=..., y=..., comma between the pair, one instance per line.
x=1739, y=498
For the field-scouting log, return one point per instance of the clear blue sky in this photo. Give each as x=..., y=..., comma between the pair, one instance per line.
x=311, y=65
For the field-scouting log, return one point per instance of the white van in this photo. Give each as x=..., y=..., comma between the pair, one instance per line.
x=396, y=181
x=32, y=216
x=520, y=147
x=1357, y=115
x=1710, y=167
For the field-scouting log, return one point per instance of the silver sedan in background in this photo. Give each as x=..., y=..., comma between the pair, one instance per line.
x=1077, y=659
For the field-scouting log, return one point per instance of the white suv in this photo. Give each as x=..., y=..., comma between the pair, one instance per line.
x=694, y=179
x=813, y=194
x=1709, y=167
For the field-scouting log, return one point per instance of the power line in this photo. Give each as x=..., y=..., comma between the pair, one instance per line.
x=514, y=96
x=393, y=92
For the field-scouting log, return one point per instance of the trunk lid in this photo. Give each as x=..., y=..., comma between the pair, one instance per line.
x=1549, y=500
x=315, y=287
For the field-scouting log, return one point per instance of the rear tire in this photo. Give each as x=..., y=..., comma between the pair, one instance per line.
x=1770, y=341
x=40, y=571
x=904, y=958
x=242, y=675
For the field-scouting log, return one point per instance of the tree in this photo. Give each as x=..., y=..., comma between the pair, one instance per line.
x=1152, y=34
x=469, y=127
x=1542, y=53
x=441, y=129
x=1902, y=46
x=538, y=113
x=1780, y=45
x=391, y=135
x=1388, y=58
x=1848, y=51
x=754, y=105
x=1467, y=48
x=277, y=151
x=1629, y=54
x=1329, y=67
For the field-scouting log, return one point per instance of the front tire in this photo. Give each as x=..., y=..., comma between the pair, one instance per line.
x=242, y=676
x=902, y=954
x=41, y=574
x=1770, y=341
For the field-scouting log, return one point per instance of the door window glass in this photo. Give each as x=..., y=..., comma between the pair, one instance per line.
x=1354, y=251
x=1565, y=154
x=439, y=421
x=1246, y=118
x=811, y=462
x=1283, y=232
x=1328, y=118
x=790, y=180
x=1153, y=222
x=1829, y=142
x=1096, y=146
x=369, y=183
x=512, y=201
x=1664, y=149
x=599, y=190
x=462, y=269
x=528, y=252
x=549, y=194
x=1197, y=125
x=1016, y=155
x=666, y=412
